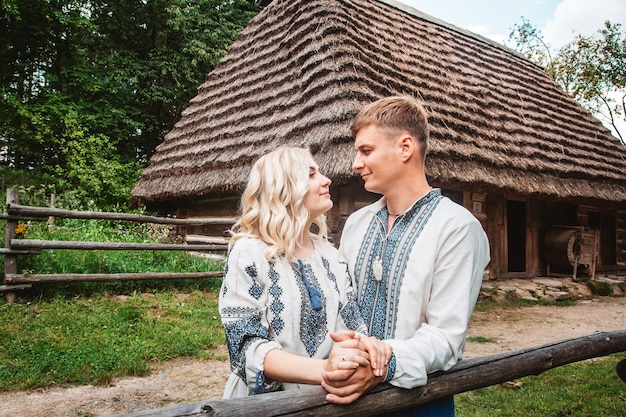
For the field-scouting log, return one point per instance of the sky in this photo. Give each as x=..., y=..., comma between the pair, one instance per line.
x=558, y=20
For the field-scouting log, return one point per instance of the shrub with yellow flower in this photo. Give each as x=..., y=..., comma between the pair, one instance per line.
x=20, y=230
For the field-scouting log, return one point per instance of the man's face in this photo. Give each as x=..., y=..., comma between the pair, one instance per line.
x=377, y=159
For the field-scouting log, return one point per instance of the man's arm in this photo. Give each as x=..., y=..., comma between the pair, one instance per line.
x=437, y=343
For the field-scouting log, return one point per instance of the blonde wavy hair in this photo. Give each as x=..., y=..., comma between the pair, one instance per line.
x=272, y=206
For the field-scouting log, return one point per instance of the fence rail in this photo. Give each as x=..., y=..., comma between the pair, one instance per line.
x=39, y=278
x=38, y=245
x=466, y=375
x=13, y=247
x=17, y=211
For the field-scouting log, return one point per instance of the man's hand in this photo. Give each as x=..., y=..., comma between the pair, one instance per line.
x=379, y=353
x=344, y=391
x=345, y=387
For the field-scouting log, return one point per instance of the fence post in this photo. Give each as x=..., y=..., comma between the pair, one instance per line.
x=10, y=260
x=53, y=198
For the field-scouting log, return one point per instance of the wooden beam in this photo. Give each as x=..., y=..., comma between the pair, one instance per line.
x=466, y=375
x=45, y=212
x=14, y=279
x=82, y=245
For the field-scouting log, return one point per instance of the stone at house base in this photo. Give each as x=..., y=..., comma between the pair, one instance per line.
x=550, y=289
x=556, y=296
x=548, y=282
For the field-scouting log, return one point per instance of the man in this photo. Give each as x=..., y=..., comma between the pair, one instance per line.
x=416, y=258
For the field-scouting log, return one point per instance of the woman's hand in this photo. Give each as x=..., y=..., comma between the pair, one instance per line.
x=348, y=353
x=353, y=349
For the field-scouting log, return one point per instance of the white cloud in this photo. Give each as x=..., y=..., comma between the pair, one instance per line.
x=485, y=31
x=585, y=17
x=480, y=29
x=497, y=37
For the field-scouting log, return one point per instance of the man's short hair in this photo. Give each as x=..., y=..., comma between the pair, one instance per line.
x=395, y=114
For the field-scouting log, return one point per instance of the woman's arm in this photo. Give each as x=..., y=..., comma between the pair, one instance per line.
x=345, y=357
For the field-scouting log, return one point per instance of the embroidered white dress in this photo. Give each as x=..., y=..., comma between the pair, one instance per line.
x=281, y=305
x=421, y=299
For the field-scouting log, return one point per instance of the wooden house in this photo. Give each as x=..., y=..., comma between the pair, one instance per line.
x=546, y=179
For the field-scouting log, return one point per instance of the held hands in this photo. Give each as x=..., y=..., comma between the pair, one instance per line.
x=346, y=355
x=379, y=353
x=356, y=363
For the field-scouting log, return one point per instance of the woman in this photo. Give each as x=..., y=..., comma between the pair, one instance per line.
x=284, y=292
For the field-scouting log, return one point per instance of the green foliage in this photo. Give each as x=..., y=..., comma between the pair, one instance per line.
x=111, y=261
x=590, y=388
x=529, y=42
x=32, y=189
x=94, y=173
x=88, y=89
x=592, y=69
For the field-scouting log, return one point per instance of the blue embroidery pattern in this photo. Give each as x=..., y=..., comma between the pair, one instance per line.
x=255, y=289
x=330, y=274
x=313, y=326
x=350, y=313
x=276, y=305
x=314, y=293
x=241, y=333
x=251, y=270
x=391, y=368
x=224, y=288
x=379, y=299
x=259, y=384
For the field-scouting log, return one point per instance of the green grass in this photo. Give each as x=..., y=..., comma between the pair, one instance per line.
x=481, y=339
x=79, y=340
x=586, y=389
x=59, y=334
x=88, y=333
x=110, y=261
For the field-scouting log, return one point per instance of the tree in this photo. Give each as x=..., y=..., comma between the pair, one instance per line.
x=94, y=83
x=592, y=69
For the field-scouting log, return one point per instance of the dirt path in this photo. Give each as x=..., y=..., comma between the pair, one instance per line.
x=195, y=380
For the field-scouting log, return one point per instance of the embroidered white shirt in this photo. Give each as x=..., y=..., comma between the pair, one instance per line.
x=433, y=260
x=268, y=305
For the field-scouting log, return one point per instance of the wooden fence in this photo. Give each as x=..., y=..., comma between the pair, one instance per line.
x=13, y=247
x=466, y=375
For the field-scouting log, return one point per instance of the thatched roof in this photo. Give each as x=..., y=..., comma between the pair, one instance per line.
x=301, y=70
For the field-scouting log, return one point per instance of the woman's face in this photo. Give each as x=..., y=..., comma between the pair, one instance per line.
x=317, y=199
